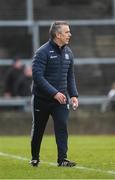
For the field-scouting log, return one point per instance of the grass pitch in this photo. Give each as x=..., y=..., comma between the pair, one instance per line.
x=95, y=156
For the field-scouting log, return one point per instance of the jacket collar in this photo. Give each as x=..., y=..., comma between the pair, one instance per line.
x=55, y=45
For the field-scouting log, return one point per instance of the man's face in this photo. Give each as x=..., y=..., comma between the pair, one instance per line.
x=64, y=35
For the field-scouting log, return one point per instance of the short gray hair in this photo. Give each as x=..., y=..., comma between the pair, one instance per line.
x=55, y=27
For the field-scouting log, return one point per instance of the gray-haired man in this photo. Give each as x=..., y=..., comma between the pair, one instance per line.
x=53, y=85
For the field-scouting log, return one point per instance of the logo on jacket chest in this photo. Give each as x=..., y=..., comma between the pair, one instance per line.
x=53, y=56
x=66, y=56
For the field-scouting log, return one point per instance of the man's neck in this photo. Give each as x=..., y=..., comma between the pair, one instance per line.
x=58, y=43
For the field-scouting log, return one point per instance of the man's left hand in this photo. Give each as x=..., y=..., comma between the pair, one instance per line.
x=74, y=100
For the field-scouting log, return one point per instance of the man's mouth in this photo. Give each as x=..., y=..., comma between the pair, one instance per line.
x=68, y=39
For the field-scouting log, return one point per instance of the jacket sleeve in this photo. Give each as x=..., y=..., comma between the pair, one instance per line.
x=72, y=89
x=39, y=64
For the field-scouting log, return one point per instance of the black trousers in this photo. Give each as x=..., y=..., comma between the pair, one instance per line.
x=41, y=110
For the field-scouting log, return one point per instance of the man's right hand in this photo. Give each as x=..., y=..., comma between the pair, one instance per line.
x=61, y=98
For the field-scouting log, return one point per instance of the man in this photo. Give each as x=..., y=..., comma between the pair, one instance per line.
x=53, y=82
x=12, y=78
x=24, y=82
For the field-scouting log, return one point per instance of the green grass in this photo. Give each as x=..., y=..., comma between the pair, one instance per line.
x=96, y=154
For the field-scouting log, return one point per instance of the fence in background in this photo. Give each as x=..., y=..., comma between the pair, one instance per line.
x=35, y=26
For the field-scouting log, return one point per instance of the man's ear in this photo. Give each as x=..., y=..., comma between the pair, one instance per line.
x=57, y=35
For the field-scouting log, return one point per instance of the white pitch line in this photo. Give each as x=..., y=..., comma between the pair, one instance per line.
x=13, y=156
x=54, y=164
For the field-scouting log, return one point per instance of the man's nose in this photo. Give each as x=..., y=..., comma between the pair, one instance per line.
x=70, y=34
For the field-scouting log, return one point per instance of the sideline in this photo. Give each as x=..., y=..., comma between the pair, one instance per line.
x=54, y=164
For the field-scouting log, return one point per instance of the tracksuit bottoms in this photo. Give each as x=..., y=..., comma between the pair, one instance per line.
x=41, y=109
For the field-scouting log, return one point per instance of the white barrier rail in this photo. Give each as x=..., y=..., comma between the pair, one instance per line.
x=79, y=61
x=23, y=101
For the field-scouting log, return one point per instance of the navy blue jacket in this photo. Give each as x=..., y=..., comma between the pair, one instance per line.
x=52, y=69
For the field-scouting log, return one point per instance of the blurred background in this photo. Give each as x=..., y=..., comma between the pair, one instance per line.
x=24, y=26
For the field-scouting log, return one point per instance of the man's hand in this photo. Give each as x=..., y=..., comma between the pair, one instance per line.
x=74, y=101
x=61, y=98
